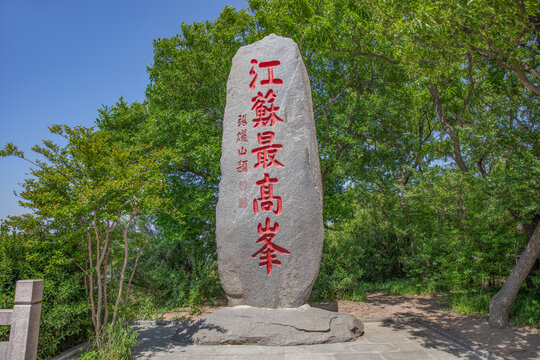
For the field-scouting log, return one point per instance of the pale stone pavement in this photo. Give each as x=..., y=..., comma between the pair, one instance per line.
x=382, y=340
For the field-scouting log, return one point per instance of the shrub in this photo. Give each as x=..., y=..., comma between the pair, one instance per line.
x=340, y=269
x=116, y=344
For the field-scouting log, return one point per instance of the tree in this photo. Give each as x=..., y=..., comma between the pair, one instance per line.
x=468, y=72
x=183, y=112
x=92, y=190
x=29, y=250
x=473, y=56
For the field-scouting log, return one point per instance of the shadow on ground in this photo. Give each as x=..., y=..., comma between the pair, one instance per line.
x=511, y=342
x=165, y=338
x=430, y=340
x=330, y=306
x=184, y=335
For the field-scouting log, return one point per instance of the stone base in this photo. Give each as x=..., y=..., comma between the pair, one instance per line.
x=249, y=325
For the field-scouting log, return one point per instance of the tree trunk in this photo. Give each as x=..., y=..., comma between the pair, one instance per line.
x=91, y=284
x=499, y=306
x=128, y=288
x=124, y=267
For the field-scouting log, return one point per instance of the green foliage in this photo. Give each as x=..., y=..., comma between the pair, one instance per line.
x=65, y=320
x=427, y=131
x=183, y=113
x=526, y=307
x=142, y=309
x=471, y=302
x=92, y=201
x=180, y=271
x=63, y=326
x=442, y=151
x=395, y=286
x=340, y=270
x=116, y=344
x=525, y=310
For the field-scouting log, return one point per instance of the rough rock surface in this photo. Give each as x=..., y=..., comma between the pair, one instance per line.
x=248, y=325
x=292, y=192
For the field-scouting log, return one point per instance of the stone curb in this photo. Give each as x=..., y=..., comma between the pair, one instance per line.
x=157, y=322
x=396, y=320
x=72, y=353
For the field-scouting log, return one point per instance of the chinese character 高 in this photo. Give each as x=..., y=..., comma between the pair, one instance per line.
x=267, y=196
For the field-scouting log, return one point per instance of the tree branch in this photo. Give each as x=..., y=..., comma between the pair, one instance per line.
x=449, y=130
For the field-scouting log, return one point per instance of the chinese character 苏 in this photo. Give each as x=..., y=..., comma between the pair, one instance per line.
x=265, y=115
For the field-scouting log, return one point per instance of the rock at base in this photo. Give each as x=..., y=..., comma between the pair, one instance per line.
x=243, y=325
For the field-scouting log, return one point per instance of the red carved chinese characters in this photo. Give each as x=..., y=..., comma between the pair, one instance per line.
x=253, y=74
x=267, y=196
x=242, y=203
x=268, y=258
x=266, y=115
x=242, y=120
x=242, y=165
x=243, y=185
x=241, y=136
x=270, y=66
x=266, y=157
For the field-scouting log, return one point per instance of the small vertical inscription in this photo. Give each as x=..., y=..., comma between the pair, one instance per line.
x=242, y=164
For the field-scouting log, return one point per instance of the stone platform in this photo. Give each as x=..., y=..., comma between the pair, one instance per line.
x=246, y=325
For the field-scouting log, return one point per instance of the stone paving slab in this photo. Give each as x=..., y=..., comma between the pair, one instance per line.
x=382, y=341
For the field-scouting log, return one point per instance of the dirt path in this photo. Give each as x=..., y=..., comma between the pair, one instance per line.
x=511, y=343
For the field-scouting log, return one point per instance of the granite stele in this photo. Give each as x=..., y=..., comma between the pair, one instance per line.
x=269, y=228
x=269, y=221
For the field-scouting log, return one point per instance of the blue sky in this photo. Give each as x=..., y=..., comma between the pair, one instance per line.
x=61, y=60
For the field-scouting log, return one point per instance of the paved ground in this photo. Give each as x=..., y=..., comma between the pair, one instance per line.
x=464, y=337
x=382, y=340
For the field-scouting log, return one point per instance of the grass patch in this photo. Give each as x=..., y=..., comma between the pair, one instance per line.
x=354, y=294
x=526, y=308
x=395, y=287
x=4, y=333
x=471, y=302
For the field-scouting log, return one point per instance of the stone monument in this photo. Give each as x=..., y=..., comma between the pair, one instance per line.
x=269, y=221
